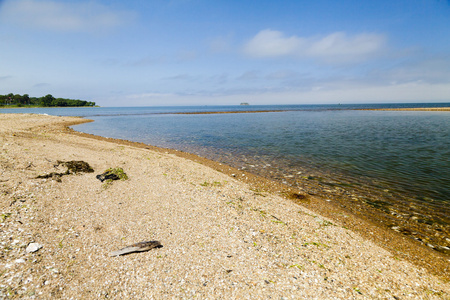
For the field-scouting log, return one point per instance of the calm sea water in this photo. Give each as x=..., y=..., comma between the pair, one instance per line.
x=402, y=157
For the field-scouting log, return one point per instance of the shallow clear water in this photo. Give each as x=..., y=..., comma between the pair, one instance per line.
x=411, y=149
x=404, y=156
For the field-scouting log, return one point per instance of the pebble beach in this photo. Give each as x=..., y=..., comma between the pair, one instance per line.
x=224, y=234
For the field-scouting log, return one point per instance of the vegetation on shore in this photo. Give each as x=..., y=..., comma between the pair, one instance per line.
x=16, y=100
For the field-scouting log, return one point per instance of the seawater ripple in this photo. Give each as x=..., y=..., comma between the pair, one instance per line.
x=394, y=162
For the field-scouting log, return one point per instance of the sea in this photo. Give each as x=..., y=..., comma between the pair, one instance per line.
x=393, y=164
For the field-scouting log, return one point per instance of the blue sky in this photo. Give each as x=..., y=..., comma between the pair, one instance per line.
x=206, y=52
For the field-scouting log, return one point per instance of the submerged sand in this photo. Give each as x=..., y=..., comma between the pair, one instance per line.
x=222, y=237
x=414, y=109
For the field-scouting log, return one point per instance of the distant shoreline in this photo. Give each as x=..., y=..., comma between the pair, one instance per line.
x=37, y=106
x=411, y=109
x=444, y=108
x=226, y=112
x=285, y=110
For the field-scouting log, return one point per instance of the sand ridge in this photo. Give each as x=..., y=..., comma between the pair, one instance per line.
x=221, y=238
x=413, y=109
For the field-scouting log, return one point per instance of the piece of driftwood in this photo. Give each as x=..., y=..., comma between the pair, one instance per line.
x=138, y=247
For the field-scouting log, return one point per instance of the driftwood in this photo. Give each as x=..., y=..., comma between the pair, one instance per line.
x=138, y=247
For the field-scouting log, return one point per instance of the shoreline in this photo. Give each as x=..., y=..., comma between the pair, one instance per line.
x=265, y=111
x=225, y=112
x=402, y=245
x=411, y=109
x=252, y=203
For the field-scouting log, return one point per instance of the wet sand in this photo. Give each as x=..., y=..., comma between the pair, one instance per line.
x=226, y=233
x=414, y=109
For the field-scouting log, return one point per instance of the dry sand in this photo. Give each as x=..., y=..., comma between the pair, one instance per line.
x=222, y=239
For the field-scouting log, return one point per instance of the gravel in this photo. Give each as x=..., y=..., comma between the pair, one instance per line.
x=220, y=239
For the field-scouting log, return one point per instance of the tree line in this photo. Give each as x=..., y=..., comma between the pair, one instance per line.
x=45, y=101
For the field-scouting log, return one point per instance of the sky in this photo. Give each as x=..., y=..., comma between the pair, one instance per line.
x=224, y=52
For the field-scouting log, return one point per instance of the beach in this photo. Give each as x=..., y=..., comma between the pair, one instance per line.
x=225, y=233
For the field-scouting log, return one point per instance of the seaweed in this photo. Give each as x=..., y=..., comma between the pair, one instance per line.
x=76, y=166
x=296, y=196
x=73, y=167
x=112, y=174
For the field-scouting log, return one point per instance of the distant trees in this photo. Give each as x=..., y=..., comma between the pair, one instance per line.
x=45, y=101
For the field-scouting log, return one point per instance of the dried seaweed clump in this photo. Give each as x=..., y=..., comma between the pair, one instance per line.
x=112, y=174
x=76, y=166
x=73, y=167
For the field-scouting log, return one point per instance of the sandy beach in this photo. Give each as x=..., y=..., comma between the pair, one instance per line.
x=225, y=234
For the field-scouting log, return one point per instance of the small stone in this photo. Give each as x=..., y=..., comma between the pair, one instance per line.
x=19, y=261
x=33, y=247
x=396, y=228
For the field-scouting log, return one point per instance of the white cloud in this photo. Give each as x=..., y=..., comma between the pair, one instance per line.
x=339, y=45
x=333, y=48
x=431, y=70
x=410, y=92
x=60, y=16
x=271, y=43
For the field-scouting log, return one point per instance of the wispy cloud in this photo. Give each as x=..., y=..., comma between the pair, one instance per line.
x=249, y=75
x=63, y=16
x=219, y=78
x=221, y=44
x=186, y=55
x=41, y=85
x=282, y=74
x=145, y=61
x=4, y=77
x=148, y=95
x=433, y=70
x=336, y=47
x=183, y=76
